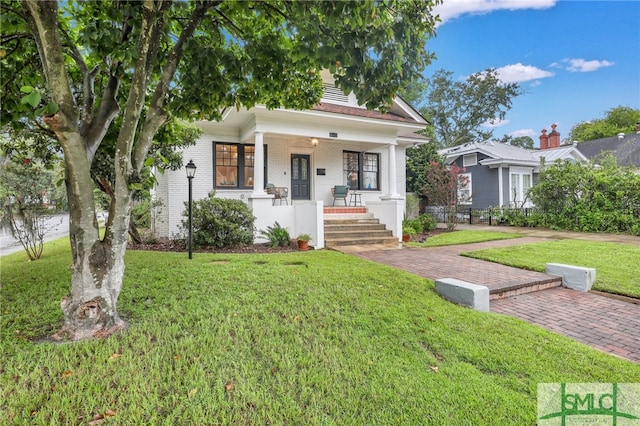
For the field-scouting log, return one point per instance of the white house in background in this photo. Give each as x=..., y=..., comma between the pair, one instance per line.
x=336, y=142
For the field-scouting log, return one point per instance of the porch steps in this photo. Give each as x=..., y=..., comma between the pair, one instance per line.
x=502, y=292
x=342, y=229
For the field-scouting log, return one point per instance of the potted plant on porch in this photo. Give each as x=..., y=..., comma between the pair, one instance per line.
x=407, y=233
x=303, y=241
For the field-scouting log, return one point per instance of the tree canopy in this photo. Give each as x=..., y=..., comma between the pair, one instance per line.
x=460, y=110
x=617, y=120
x=75, y=71
x=521, y=141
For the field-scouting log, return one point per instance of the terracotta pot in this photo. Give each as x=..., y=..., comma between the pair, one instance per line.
x=303, y=245
x=406, y=238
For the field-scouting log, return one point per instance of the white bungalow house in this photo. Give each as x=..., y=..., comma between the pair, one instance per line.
x=336, y=142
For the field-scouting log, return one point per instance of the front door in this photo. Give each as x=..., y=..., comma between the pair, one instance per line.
x=300, y=177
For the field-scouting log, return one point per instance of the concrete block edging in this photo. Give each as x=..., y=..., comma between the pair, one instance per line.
x=574, y=277
x=464, y=293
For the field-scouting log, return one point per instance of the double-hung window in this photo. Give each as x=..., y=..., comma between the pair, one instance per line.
x=361, y=170
x=234, y=165
x=520, y=184
x=464, y=188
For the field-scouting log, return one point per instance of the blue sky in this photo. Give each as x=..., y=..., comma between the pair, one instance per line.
x=574, y=59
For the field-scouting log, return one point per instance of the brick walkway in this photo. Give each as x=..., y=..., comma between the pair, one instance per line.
x=607, y=324
x=445, y=262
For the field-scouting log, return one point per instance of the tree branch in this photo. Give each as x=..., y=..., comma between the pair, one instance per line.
x=88, y=80
x=43, y=20
x=109, y=108
x=156, y=116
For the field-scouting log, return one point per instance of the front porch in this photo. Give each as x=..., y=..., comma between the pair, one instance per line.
x=378, y=222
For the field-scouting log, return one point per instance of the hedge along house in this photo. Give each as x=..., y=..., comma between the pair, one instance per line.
x=501, y=175
x=336, y=142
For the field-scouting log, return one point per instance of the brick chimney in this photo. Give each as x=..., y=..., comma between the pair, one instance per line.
x=554, y=137
x=544, y=139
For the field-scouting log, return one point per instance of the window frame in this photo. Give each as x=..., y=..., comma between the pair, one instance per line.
x=520, y=199
x=240, y=166
x=361, y=171
x=466, y=188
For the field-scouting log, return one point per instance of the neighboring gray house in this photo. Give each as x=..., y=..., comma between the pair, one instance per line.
x=625, y=148
x=501, y=174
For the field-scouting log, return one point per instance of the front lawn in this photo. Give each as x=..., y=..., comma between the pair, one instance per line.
x=464, y=237
x=617, y=265
x=317, y=337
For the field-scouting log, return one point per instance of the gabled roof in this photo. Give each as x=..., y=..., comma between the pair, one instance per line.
x=501, y=154
x=625, y=149
x=563, y=152
x=496, y=151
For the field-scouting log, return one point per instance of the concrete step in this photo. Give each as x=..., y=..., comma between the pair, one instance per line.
x=347, y=226
x=508, y=291
x=341, y=217
x=357, y=234
x=337, y=242
x=344, y=227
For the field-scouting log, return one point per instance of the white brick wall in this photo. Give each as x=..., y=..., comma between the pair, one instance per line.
x=174, y=186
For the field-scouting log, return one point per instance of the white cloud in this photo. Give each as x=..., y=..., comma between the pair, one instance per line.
x=452, y=9
x=580, y=65
x=517, y=73
x=524, y=132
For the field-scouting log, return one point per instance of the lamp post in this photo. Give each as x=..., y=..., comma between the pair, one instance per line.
x=191, y=171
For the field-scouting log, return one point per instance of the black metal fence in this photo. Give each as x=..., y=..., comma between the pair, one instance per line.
x=490, y=216
x=497, y=215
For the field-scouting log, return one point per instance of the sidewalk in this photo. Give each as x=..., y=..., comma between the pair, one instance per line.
x=607, y=324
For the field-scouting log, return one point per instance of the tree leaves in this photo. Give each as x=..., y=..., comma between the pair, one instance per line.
x=617, y=120
x=33, y=98
x=459, y=109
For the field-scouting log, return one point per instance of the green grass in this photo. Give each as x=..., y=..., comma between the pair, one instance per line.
x=464, y=237
x=307, y=338
x=617, y=265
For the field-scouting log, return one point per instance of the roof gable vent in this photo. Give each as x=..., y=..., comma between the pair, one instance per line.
x=334, y=95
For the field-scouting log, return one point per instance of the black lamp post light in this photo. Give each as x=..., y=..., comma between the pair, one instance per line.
x=191, y=172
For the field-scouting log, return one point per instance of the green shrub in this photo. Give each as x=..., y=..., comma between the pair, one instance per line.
x=427, y=221
x=277, y=235
x=415, y=224
x=219, y=222
x=585, y=198
x=141, y=212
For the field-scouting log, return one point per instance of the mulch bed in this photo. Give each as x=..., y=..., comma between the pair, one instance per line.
x=179, y=246
x=166, y=244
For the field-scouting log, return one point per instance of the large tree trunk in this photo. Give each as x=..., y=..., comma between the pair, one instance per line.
x=90, y=310
x=98, y=265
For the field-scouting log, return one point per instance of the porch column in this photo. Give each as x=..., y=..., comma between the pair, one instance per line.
x=258, y=165
x=500, y=195
x=392, y=169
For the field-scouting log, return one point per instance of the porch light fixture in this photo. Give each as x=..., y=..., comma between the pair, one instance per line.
x=314, y=142
x=191, y=172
